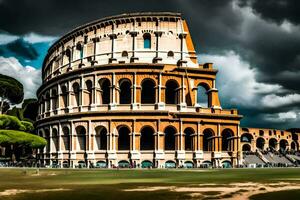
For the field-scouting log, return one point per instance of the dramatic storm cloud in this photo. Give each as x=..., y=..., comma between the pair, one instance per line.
x=255, y=45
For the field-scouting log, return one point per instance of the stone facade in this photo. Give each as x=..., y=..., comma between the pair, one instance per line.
x=128, y=90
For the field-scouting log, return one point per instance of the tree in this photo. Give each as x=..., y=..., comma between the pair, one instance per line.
x=28, y=111
x=11, y=91
x=14, y=136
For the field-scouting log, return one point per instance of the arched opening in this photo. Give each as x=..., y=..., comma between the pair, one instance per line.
x=124, y=138
x=69, y=54
x=206, y=164
x=54, y=100
x=147, y=41
x=76, y=92
x=226, y=164
x=260, y=142
x=81, y=132
x=47, y=137
x=226, y=140
x=246, y=137
x=64, y=92
x=170, y=54
x=101, y=164
x=188, y=140
x=246, y=147
x=125, y=91
x=101, y=138
x=170, y=132
x=147, y=138
x=66, y=138
x=170, y=164
x=294, y=146
x=172, y=92
x=202, y=97
x=272, y=143
x=146, y=164
x=207, y=140
x=65, y=164
x=48, y=102
x=123, y=164
x=81, y=164
x=105, y=90
x=55, y=139
x=283, y=145
x=124, y=54
x=89, y=92
x=188, y=164
x=148, y=92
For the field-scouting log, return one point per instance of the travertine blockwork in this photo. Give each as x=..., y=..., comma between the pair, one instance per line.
x=128, y=90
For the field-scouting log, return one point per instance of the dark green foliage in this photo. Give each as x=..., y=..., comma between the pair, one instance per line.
x=28, y=126
x=11, y=123
x=30, y=109
x=11, y=91
x=12, y=137
x=17, y=112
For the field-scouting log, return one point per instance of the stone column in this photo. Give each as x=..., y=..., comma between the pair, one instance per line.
x=133, y=35
x=112, y=105
x=136, y=93
x=158, y=34
x=160, y=103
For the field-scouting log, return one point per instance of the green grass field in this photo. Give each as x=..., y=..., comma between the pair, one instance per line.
x=147, y=184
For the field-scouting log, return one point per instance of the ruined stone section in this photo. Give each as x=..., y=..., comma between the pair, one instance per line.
x=262, y=139
x=128, y=91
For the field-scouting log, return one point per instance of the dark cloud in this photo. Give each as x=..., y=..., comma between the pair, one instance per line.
x=23, y=49
x=269, y=40
x=275, y=10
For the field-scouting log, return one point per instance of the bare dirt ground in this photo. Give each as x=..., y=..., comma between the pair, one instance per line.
x=233, y=191
x=16, y=191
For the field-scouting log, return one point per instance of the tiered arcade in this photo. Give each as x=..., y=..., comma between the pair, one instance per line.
x=128, y=90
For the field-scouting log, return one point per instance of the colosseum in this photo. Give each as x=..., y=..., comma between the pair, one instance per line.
x=127, y=91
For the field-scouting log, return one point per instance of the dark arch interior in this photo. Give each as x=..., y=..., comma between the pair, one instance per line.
x=283, y=144
x=76, y=93
x=105, y=87
x=64, y=95
x=226, y=134
x=66, y=138
x=170, y=138
x=148, y=92
x=188, y=139
x=101, y=138
x=80, y=131
x=207, y=140
x=171, y=92
x=55, y=138
x=147, y=138
x=260, y=143
x=272, y=143
x=246, y=147
x=124, y=138
x=89, y=88
x=54, y=99
x=125, y=92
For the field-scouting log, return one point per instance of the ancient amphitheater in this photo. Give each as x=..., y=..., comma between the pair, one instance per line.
x=128, y=91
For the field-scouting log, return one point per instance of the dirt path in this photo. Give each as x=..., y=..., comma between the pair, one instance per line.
x=233, y=191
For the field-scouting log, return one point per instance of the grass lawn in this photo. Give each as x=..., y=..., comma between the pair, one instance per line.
x=146, y=184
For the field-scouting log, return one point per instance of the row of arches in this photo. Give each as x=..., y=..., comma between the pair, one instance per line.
x=104, y=95
x=146, y=139
x=272, y=143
